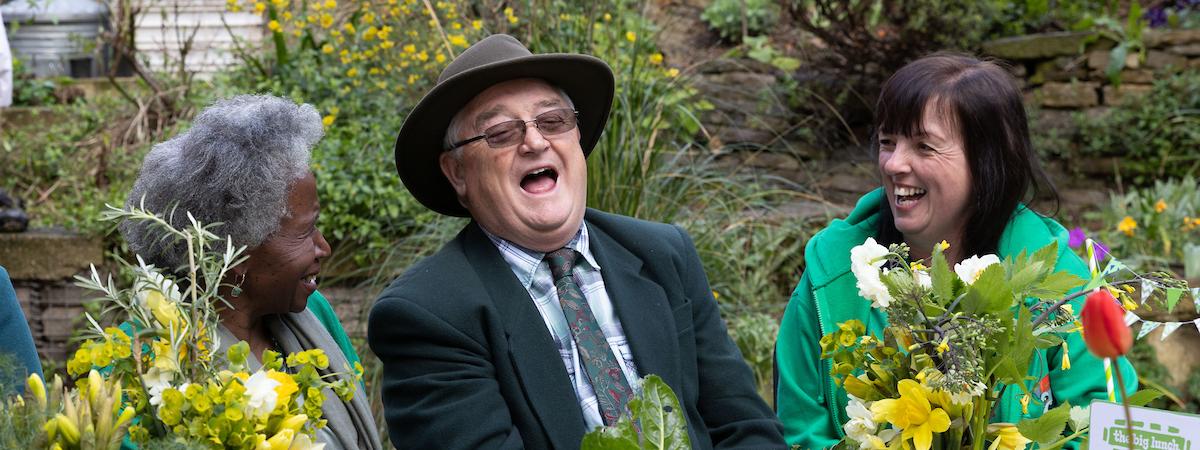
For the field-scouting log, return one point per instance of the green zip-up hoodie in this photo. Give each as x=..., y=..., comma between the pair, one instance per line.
x=812, y=408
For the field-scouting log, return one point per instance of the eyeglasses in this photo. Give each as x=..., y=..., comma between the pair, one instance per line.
x=504, y=134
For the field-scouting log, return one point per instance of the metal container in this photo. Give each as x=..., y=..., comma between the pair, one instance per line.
x=56, y=37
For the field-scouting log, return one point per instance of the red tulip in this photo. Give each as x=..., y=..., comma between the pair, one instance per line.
x=1104, y=328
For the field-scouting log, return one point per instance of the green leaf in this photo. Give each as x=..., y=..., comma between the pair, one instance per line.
x=786, y=64
x=1047, y=428
x=616, y=437
x=1144, y=397
x=1047, y=340
x=945, y=283
x=990, y=294
x=1056, y=285
x=1047, y=255
x=1015, y=346
x=1116, y=62
x=657, y=410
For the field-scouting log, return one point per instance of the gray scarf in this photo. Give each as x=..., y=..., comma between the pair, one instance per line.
x=350, y=424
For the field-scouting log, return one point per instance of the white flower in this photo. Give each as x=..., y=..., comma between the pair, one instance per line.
x=157, y=381
x=261, y=392
x=153, y=280
x=866, y=261
x=923, y=279
x=970, y=269
x=862, y=427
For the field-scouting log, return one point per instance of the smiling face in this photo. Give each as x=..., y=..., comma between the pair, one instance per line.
x=533, y=192
x=282, y=271
x=928, y=181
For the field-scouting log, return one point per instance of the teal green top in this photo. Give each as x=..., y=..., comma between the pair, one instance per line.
x=14, y=333
x=320, y=307
x=812, y=408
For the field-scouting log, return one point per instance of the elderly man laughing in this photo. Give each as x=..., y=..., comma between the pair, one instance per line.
x=534, y=324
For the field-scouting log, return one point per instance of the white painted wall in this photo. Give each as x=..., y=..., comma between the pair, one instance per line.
x=166, y=25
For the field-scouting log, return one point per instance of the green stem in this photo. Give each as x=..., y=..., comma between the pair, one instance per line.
x=1124, y=402
x=1065, y=440
x=979, y=423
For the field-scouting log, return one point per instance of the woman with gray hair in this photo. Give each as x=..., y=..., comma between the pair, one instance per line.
x=244, y=164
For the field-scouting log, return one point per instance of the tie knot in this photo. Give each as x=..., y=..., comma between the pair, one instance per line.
x=562, y=261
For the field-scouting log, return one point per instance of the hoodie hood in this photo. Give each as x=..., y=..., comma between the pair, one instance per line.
x=827, y=254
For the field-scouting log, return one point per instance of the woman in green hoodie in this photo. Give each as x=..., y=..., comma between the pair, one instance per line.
x=956, y=161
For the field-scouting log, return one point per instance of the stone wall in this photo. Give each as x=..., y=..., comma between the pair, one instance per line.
x=43, y=264
x=1064, y=73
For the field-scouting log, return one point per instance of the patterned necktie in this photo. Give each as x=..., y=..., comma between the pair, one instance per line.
x=603, y=371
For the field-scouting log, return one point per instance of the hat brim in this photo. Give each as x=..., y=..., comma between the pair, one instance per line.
x=586, y=79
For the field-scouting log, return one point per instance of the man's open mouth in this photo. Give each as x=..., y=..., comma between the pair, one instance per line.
x=540, y=181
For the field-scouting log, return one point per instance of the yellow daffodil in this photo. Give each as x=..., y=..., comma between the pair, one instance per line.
x=1007, y=437
x=282, y=439
x=294, y=423
x=1127, y=226
x=913, y=414
x=1160, y=206
x=287, y=386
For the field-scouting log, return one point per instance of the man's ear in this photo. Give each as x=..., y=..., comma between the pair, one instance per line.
x=455, y=172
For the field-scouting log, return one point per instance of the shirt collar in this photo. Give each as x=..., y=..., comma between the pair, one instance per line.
x=525, y=262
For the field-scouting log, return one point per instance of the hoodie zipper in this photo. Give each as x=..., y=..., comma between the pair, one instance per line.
x=830, y=402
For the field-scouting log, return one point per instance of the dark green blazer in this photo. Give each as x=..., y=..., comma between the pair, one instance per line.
x=468, y=362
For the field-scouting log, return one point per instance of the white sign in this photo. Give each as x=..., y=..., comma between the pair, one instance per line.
x=1153, y=429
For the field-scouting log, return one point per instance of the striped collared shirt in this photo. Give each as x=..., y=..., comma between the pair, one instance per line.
x=534, y=274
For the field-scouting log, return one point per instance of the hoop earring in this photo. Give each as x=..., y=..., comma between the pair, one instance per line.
x=237, y=289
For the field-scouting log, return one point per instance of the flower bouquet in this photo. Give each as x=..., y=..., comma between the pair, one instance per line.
x=159, y=378
x=958, y=339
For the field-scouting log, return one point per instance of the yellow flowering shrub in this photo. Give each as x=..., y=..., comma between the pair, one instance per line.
x=364, y=64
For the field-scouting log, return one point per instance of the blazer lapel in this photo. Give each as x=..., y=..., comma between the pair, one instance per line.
x=531, y=348
x=641, y=305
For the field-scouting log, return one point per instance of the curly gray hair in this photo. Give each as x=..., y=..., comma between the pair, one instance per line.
x=234, y=166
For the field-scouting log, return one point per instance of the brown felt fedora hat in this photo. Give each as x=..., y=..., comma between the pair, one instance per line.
x=495, y=59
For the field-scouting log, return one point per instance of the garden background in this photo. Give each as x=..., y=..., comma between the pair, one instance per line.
x=744, y=121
